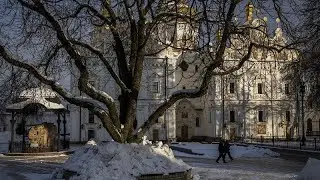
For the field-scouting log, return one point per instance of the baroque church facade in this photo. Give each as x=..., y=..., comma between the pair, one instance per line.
x=253, y=102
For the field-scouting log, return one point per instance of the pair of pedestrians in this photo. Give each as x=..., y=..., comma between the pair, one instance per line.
x=224, y=148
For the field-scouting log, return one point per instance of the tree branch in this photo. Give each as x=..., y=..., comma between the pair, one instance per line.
x=84, y=74
x=62, y=92
x=205, y=82
x=105, y=62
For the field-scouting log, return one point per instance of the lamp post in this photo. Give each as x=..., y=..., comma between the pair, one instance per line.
x=302, y=91
x=165, y=96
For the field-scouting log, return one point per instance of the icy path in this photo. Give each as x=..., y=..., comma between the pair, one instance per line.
x=245, y=168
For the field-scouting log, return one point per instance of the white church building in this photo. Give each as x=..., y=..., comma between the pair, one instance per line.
x=253, y=102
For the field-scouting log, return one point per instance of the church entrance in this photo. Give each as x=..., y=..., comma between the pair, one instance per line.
x=184, y=132
x=155, y=134
x=232, y=133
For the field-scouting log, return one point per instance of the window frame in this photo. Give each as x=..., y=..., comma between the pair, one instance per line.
x=197, y=122
x=91, y=117
x=286, y=89
x=260, y=88
x=232, y=87
x=155, y=87
x=261, y=116
x=92, y=133
x=184, y=115
x=232, y=116
x=288, y=116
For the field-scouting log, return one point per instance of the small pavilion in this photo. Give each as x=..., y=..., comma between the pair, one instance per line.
x=38, y=135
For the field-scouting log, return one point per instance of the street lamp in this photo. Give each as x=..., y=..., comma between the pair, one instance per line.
x=302, y=91
x=165, y=96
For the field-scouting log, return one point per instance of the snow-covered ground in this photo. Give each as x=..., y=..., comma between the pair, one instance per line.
x=249, y=163
x=211, y=151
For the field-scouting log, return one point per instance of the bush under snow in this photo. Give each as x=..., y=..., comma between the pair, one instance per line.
x=112, y=160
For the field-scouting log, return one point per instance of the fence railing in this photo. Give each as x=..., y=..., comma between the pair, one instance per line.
x=313, y=133
x=309, y=144
x=18, y=147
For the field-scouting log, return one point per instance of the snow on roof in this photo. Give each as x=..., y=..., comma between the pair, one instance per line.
x=38, y=92
x=113, y=160
x=49, y=105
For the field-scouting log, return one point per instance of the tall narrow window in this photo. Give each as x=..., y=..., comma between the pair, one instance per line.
x=231, y=88
x=196, y=68
x=259, y=88
x=286, y=89
x=155, y=87
x=91, y=117
x=197, y=122
x=288, y=116
x=260, y=116
x=232, y=116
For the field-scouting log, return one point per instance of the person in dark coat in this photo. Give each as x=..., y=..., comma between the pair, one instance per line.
x=221, y=152
x=227, y=149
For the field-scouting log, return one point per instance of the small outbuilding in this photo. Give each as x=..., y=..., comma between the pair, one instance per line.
x=30, y=114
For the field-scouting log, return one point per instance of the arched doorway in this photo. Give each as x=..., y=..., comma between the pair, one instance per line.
x=184, y=132
x=309, y=126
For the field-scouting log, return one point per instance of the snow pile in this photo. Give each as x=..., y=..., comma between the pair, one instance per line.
x=112, y=160
x=211, y=151
x=310, y=170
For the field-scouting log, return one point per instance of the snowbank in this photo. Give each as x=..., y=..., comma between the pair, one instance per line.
x=113, y=160
x=311, y=170
x=211, y=151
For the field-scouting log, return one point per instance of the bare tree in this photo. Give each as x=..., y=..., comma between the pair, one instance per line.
x=46, y=37
x=305, y=30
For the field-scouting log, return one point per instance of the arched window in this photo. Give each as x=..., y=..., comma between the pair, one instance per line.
x=197, y=122
x=309, y=125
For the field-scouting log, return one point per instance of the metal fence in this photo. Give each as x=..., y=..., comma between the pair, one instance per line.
x=309, y=144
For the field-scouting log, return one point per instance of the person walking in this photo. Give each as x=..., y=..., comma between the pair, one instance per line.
x=221, y=149
x=227, y=149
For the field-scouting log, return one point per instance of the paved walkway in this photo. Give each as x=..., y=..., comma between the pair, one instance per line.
x=245, y=168
x=23, y=168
